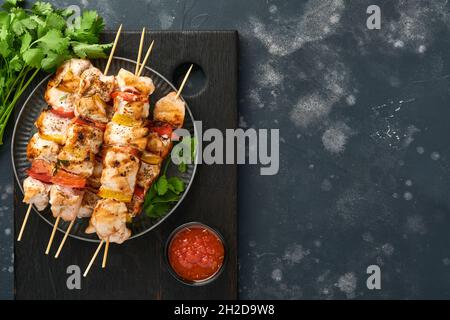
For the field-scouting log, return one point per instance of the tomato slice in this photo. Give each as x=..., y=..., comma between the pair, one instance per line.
x=63, y=113
x=98, y=125
x=68, y=179
x=41, y=170
x=162, y=130
x=139, y=192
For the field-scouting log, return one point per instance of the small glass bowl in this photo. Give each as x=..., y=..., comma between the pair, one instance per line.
x=175, y=274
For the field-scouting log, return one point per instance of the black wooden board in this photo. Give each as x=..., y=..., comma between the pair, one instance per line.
x=137, y=269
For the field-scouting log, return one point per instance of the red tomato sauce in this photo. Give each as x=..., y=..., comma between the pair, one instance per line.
x=196, y=253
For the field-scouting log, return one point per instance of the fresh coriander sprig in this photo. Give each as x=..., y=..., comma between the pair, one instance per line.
x=162, y=194
x=37, y=39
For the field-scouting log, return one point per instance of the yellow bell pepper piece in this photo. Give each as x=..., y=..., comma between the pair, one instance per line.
x=125, y=120
x=116, y=195
x=151, y=158
x=59, y=139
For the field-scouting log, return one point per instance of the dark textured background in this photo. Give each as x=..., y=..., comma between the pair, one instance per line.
x=363, y=118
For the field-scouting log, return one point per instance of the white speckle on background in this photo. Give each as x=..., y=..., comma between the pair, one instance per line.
x=395, y=195
x=273, y=9
x=335, y=138
x=408, y=183
x=420, y=150
x=367, y=236
x=11, y=269
x=309, y=110
x=422, y=49
x=347, y=284
x=415, y=224
x=277, y=275
x=351, y=100
x=435, y=156
x=7, y=231
x=326, y=185
x=408, y=196
x=446, y=261
x=388, y=249
x=399, y=44
x=9, y=189
x=292, y=33
x=165, y=20
x=409, y=135
x=295, y=254
x=242, y=122
x=268, y=76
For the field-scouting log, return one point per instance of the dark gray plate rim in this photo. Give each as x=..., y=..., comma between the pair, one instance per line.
x=134, y=235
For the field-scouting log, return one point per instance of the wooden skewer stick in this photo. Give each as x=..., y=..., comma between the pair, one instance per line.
x=93, y=258
x=141, y=44
x=111, y=54
x=50, y=241
x=24, y=223
x=145, y=59
x=61, y=245
x=105, y=254
x=184, y=81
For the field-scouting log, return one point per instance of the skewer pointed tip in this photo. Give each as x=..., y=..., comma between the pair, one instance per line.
x=184, y=81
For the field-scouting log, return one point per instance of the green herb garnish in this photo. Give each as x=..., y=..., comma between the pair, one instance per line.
x=162, y=194
x=37, y=39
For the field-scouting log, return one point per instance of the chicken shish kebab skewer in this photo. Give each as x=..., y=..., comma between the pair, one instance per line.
x=125, y=138
x=45, y=145
x=69, y=82
x=48, y=155
x=148, y=171
x=98, y=88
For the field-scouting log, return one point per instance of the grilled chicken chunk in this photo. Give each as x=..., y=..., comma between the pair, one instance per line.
x=159, y=145
x=128, y=82
x=63, y=89
x=82, y=143
x=67, y=76
x=52, y=127
x=120, y=135
x=120, y=169
x=92, y=108
x=42, y=149
x=88, y=204
x=147, y=174
x=170, y=110
x=36, y=192
x=65, y=202
x=94, y=82
x=109, y=221
x=136, y=110
x=61, y=101
x=94, y=179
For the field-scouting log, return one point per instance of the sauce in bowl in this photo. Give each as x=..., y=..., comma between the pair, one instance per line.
x=195, y=253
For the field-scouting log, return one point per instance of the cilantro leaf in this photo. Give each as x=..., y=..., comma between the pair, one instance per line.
x=26, y=41
x=42, y=8
x=33, y=57
x=86, y=28
x=92, y=51
x=176, y=185
x=162, y=185
x=54, y=40
x=55, y=21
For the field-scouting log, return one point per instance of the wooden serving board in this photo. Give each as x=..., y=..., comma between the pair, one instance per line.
x=137, y=268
